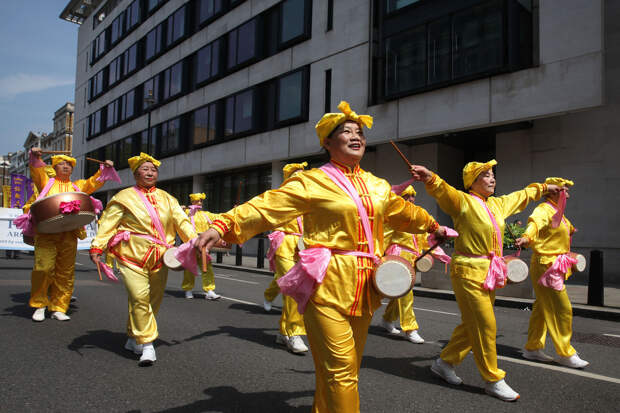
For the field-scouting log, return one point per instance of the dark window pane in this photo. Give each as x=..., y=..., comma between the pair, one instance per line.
x=393, y=5
x=130, y=104
x=290, y=93
x=112, y=114
x=151, y=89
x=439, y=65
x=230, y=116
x=207, y=9
x=246, y=42
x=232, y=48
x=113, y=75
x=170, y=136
x=244, y=108
x=176, y=79
x=179, y=24
x=200, y=126
x=293, y=20
x=212, y=122
x=144, y=142
x=406, y=61
x=215, y=57
x=130, y=59
x=152, y=4
x=203, y=64
x=153, y=42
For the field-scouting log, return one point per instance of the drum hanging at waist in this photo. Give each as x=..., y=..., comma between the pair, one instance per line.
x=171, y=261
x=62, y=212
x=580, y=266
x=394, y=277
x=425, y=263
x=516, y=269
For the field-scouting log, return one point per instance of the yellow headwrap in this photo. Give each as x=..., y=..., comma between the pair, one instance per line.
x=408, y=191
x=473, y=169
x=56, y=159
x=197, y=197
x=291, y=168
x=559, y=182
x=331, y=121
x=136, y=161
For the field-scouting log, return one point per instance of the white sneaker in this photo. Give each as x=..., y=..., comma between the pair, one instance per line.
x=574, y=362
x=211, y=295
x=267, y=305
x=501, y=390
x=39, y=314
x=389, y=327
x=414, y=337
x=537, y=355
x=60, y=316
x=281, y=339
x=189, y=295
x=73, y=299
x=296, y=345
x=134, y=347
x=445, y=371
x=148, y=355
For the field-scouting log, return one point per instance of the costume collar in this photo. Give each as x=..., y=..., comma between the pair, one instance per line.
x=474, y=193
x=147, y=190
x=345, y=169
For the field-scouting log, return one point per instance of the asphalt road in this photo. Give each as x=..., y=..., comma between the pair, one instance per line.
x=220, y=356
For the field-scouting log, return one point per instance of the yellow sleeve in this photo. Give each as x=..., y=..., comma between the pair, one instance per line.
x=39, y=177
x=182, y=224
x=517, y=201
x=407, y=217
x=448, y=198
x=91, y=184
x=108, y=222
x=264, y=212
x=539, y=219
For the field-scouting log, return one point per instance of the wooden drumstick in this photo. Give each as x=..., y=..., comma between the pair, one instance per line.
x=99, y=271
x=428, y=251
x=95, y=160
x=204, y=259
x=401, y=154
x=57, y=152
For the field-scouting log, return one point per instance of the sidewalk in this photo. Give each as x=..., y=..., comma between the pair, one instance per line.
x=578, y=294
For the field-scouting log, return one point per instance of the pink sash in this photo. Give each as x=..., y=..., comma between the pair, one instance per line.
x=559, y=214
x=276, y=239
x=301, y=281
x=555, y=275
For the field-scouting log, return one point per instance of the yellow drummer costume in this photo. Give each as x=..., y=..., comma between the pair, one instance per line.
x=201, y=222
x=284, y=257
x=477, y=242
x=138, y=257
x=552, y=311
x=339, y=311
x=53, y=274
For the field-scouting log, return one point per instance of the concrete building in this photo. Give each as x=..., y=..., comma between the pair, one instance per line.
x=232, y=89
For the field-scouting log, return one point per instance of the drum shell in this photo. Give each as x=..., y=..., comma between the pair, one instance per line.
x=406, y=264
x=425, y=263
x=516, y=270
x=171, y=261
x=48, y=219
x=581, y=262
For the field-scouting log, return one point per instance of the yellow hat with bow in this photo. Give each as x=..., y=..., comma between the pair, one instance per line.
x=136, y=161
x=197, y=197
x=473, y=169
x=409, y=191
x=56, y=159
x=289, y=169
x=331, y=121
x=559, y=182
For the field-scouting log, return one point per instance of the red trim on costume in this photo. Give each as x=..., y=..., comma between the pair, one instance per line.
x=221, y=225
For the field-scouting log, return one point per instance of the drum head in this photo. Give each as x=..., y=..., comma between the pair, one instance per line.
x=581, y=263
x=424, y=264
x=63, y=223
x=171, y=261
x=300, y=244
x=394, y=277
x=516, y=269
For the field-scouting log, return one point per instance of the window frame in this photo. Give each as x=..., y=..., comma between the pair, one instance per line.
x=305, y=94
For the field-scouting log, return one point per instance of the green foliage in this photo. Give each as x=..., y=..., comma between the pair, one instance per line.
x=517, y=230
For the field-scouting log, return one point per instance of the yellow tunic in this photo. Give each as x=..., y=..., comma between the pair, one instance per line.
x=331, y=220
x=126, y=212
x=472, y=222
x=288, y=248
x=202, y=220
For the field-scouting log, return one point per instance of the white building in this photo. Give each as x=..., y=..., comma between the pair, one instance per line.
x=238, y=86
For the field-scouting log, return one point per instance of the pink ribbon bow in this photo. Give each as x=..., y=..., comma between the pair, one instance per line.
x=108, y=173
x=120, y=236
x=276, y=239
x=394, y=249
x=108, y=271
x=556, y=274
x=186, y=254
x=24, y=222
x=97, y=205
x=70, y=207
x=496, y=277
x=303, y=279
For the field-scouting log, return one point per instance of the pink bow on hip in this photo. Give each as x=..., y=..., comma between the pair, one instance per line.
x=24, y=222
x=70, y=207
x=556, y=274
x=496, y=277
x=276, y=239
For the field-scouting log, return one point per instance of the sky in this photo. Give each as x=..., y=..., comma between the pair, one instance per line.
x=37, y=68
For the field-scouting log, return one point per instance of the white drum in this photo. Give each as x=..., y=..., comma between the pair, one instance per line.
x=300, y=244
x=394, y=277
x=517, y=270
x=581, y=262
x=425, y=263
x=171, y=261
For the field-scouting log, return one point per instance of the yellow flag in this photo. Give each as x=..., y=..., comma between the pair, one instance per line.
x=6, y=198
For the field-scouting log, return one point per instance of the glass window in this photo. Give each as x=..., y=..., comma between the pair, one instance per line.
x=406, y=61
x=115, y=70
x=173, y=80
x=439, y=55
x=153, y=42
x=109, y=152
x=176, y=26
x=293, y=20
x=130, y=59
x=132, y=15
x=229, y=122
x=242, y=44
x=207, y=61
x=290, y=95
x=170, y=137
x=125, y=152
x=244, y=107
x=393, y=5
x=116, y=30
x=208, y=9
x=204, y=124
x=128, y=105
x=112, y=112
x=151, y=87
x=153, y=4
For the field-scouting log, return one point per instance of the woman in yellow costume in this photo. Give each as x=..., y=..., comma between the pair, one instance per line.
x=138, y=225
x=549, y=234
x=200, y=221
x=344, y=208
x=53, y=275
x=282, y=256
x=477, y=267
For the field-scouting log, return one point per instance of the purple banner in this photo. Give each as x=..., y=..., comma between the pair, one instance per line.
x=20, y=185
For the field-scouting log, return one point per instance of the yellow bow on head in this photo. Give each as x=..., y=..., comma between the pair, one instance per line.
x=331, y=121
x=473, y=169
x=197, y=197
x=136, y=161
x=56, y=159
x=291, y=168
x=559, y=182
x=408, y=191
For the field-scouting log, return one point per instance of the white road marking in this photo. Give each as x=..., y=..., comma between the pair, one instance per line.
x=234, y=279
x=435, y=311
x=567, y=370
x=241, y=301
x=612, y=335
x=77, y=263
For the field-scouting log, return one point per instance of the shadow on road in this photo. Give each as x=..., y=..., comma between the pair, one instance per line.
x=21, y=307
x=255, y=309
x=102, y=339
x=227, y=399
x=255, y=335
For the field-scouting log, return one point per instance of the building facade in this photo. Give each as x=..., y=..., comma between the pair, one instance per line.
x=227, y=91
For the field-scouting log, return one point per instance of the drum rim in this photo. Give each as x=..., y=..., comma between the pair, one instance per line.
x=523, y=263
x=170, y=251
x=430, y=257
x=407, y=264
x=55, y=195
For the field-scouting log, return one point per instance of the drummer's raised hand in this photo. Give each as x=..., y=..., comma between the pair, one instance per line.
x=207, y=239
x=554, y=189
x=441, y=234
x=109, y=163
x=420, y=173
x=95, y=258
x=522, y=242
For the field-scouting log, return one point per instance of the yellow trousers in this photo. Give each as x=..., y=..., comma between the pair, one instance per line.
x=53, y=273
x=402, y=308
x=553, y=313
x=291, y=322
x=145, y=291
x=337, y=345
x=477, y=331
x=208, y=279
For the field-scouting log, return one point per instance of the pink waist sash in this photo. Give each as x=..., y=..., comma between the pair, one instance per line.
x=276, y=239
x=301, y=281
x=556, y=274
x=496, y=276
x=396, y=249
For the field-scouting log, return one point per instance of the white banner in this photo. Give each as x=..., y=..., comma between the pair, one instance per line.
x=11, y=237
